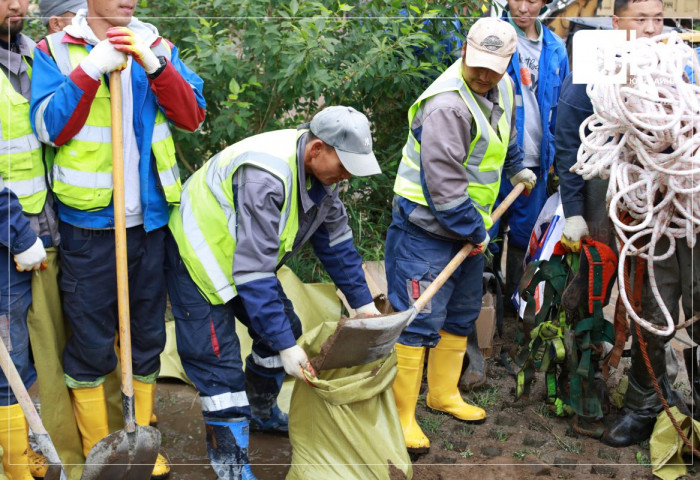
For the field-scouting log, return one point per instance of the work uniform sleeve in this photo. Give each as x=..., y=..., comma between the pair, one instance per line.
x=18, y=235
x=574, y=108
x=444, y=137
x=333, y=244
x=60, y=104
x=258, y=198
x=179, y=93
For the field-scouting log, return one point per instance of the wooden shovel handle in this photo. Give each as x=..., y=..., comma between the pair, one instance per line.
x=115, y=93
x=463, y=253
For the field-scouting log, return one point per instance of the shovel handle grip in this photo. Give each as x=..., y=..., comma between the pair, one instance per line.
x=463, y=253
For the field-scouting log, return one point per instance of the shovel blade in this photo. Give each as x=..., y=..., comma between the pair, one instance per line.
x=121, y=455
x=358, y=341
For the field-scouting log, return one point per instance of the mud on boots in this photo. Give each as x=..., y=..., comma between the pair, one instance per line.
x=144, y=397
x=227, y=447
x=262, y=388
x=443, y=376
x=406, y=388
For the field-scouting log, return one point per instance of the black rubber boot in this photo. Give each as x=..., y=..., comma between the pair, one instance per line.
x=630, y=427
x=262, y=388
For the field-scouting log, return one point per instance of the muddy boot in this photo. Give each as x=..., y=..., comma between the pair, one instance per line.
x=227, y=446
x=443, y=394
x=144, y=398
x=475, y=374
x=13, y=438
x=262, y=389
x=630, y=427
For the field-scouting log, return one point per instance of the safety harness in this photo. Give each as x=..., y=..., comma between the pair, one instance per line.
x=568, y=331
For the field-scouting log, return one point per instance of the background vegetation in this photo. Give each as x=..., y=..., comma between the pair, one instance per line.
x=269, y=65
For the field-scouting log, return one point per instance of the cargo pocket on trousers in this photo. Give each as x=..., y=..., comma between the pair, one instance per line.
x=416, y=274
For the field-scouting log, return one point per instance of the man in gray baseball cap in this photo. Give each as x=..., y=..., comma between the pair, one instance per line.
x=347, y=130
x=242, y=215
x=56, y=14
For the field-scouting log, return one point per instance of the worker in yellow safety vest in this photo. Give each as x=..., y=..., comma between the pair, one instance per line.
x=29, y=227
x=242, y=216
x=461, y=139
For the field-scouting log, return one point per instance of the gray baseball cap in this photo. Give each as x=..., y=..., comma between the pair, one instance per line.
x=49, y=8
x=347, y=130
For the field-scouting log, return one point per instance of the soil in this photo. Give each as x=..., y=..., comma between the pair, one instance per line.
x=519, y=439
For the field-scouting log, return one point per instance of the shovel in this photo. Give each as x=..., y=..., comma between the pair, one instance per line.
x=357, y=341
x=55, y=471
x=129, y=453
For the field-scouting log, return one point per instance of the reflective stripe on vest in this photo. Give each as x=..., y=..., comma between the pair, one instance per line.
x=82, y=171
x=204, y=225
x=486, y=153
x=21, y=164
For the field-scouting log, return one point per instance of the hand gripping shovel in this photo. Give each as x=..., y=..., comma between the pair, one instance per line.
x=357, y=341
x=129, y=453
x=55, y=471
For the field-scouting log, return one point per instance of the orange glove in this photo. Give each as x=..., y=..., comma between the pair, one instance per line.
x=127, y=42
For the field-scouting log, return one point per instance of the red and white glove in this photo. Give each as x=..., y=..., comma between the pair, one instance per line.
x=127, y=42
x=32, y=258
x=480, y=247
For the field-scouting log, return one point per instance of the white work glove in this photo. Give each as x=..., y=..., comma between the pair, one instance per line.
x=294, y=359
x=32, y=258
x=127, y=42
x=575, y=229
x=103, y=58
x=481, y=247
x=369, y=310
x=525, y=176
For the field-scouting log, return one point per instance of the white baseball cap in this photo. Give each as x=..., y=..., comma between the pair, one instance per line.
x=490, y=44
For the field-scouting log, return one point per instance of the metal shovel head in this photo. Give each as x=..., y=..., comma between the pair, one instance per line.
x=361, y=340
x=123, y=455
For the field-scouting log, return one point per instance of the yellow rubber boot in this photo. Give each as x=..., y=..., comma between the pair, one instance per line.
x=444, y=368
x=90, y=409
x=406, y=388
x=144, y=397
x=13, y=438
x=38, y=465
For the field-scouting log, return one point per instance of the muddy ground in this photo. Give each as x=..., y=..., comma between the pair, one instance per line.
x=520, y=439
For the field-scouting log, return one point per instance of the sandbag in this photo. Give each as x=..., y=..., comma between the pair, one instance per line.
x=345, y=424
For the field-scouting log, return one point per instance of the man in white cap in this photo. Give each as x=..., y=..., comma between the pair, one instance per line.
x=241, y=216
x=56, y=14
x=462, y=136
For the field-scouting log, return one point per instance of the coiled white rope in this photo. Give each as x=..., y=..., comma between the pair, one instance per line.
x=645, y=136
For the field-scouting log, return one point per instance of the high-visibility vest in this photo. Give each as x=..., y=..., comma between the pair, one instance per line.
x=487, y=150
x=21, y=164
x=204, y=224
x=82, y=170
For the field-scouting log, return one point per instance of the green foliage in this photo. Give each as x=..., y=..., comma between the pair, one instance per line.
x=272, y=65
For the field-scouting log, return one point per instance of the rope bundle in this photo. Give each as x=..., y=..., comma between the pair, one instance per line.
x=645, y=136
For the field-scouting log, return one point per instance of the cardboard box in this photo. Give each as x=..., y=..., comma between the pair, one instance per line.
x=486, y=325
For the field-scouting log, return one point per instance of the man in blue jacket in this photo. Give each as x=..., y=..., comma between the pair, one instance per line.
x=538, y=68
x=70, y=109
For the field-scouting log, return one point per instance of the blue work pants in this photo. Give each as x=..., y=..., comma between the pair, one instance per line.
x=413, y=259
x=15, y=299
x=209, y=347
x=89, y=286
